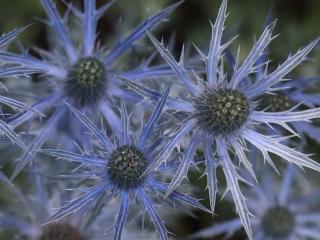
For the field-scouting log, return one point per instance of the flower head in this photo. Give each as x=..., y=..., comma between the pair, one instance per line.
x=81, y=75
x=222, y=116
x=222, y=112
x=294, y=94
x=86, y=81
x=279, y=213
x=126, y=166
x=119, y=169
x=23, y=217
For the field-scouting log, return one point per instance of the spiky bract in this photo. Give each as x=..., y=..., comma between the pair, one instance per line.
x=80, y=74
x=124, y=166
x=219, y=113
x=12, y=71
x=207, y=133
x=280, y=214
x=7, y=72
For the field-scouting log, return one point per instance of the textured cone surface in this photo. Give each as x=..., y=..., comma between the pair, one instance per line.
x=278, y=222
x=223, y=111
x=275, y=103
x=126, y=166
x=86, y=81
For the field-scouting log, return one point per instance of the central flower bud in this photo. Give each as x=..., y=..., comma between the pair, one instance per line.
x=222, y=111
x=278, y=222
x=276, y=102
x=86, y=81
x=60, y=231
x=126, y=166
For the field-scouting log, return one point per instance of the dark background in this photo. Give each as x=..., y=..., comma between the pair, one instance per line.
x=298, y=19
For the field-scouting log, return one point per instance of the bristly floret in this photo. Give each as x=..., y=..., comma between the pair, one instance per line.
x=231, y=138
x=294, y=94
x=222, y=111
x=86, y=81
x=80, y=74
x=125, y=167
x=281, y=213
x=119, y=169
x=278, y=102
x=278, y=222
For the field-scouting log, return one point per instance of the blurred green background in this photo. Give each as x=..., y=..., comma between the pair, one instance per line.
x=298, y=19
x=298, y=23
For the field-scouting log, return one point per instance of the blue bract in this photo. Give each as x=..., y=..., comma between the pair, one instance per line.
x=7, y=72
x=16, y=71
x=80, y=75
x=280, y=213
x=222, y=116
x=119, y=170
x=225, y=108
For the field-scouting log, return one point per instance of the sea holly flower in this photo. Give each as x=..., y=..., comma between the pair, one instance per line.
x=25, y=215
x=67, y=229
x=297, y=93
x=72, y=227
x=81, y=75
x=38, y=205
x=118, y=170
x=222, y=117
x=279, y=213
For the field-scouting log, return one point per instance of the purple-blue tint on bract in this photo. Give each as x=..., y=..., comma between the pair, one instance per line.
x=39, y=205
x=118, y=169
x=297, y=93
x=125, y=166
x=83, y=76
x=279, y=213
x=7, y=72
x=222, y=115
